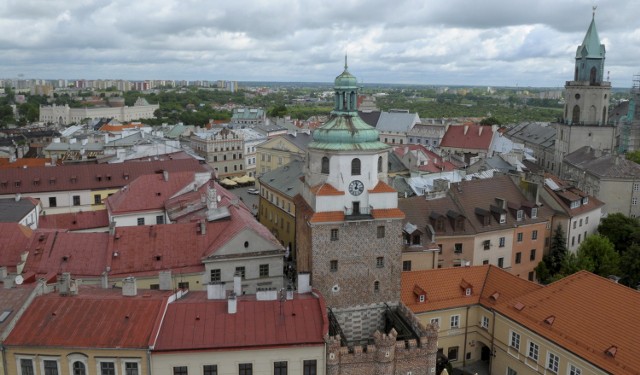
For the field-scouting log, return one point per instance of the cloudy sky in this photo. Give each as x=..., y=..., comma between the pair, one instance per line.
x=450, y=42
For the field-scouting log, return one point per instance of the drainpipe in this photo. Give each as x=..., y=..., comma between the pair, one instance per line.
x=4, y=359
x=493, y=350
x=148, y=361
x=466, y=329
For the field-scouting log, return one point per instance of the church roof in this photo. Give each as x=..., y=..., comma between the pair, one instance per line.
x=344, y=133
x=591, y=47
x=346, y=79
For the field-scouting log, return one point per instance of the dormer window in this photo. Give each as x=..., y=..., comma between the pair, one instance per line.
x=585, y=200
x=519, y=215
x=534, y=212
x=503, y=218
x=575, y=204
x=467, y=292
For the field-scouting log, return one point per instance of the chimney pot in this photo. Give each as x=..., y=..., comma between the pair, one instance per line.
x=232, y=305
x=129, y=287
x=237, y=284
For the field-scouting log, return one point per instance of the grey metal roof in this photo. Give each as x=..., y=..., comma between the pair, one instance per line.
x=285, y=179
x=540, y=133
x=12, y=211
x=603, y=165
x=397, y=121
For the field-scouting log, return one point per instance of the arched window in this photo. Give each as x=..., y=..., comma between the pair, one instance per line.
x=376, y=286
x=379, y=164
x=576, y=114
x=79, y=369
x=592, y=115
x=592, y=75
x=355, y=167
x=325, y=165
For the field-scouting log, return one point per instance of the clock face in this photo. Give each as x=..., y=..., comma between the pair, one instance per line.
x=356, y=187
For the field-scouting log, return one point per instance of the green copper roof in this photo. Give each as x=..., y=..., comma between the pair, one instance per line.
x=344, y=132
x=346, y=79
x=591, y=47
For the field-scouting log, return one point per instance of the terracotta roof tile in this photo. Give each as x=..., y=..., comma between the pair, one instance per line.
x=387, y=213
x=327, y=217
x=198, y=323
x=96, y=318
x=76, y=220
x=14, y=240
x=468, y=136
x=381, y=187
x=24, y=162
x=325, y=189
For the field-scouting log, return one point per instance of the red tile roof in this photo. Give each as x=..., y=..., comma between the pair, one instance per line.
x=327, y=217
x=194, y=322
x=24, y=162
x=88, y=176
x=96, y=318
x=590, y=314
x=148, y=192
x=119, y=128
x=12, y=299
x=325, y=189
x=14, y=239
x=387, y=213
x=76, y=220
x=469, y=137
x=381, y=187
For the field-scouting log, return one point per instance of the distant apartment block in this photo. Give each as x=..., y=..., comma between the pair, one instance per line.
x=65, y=115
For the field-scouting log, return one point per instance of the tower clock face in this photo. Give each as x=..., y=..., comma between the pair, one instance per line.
x=356, y=187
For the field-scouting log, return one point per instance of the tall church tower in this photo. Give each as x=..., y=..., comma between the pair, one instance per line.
x=584, y=122
x=348, y=225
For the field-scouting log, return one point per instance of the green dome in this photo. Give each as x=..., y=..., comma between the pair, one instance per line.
x=345, y=80
x=345, y=132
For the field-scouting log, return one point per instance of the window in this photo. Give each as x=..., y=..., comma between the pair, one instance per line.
x=355, y=167
x=501, y=262
x=76, y=200
x=50, y=367
x=78, y=368
x=501, y=242
x=280, y=368
x=131, y=368
x=520, y=237
x=485, y=261
x=485, y=322
x=455, y=321
x=109, y=368
x=636, y=186
x=486, y=244
x=452, y=353
x=553, y=362
x=406, y=265
x=309, y=367
x=457, y=248
x=380, y=262
x=515, y=341
x=379, y=164
x=532, y=255
x=534, y=349
x=376, y=286
x=634, y=201
x=333, y=266
x=215, y=275
x=534, y=235
x=26, y=366
x=180, y=370
x=586, y=220
x=334, y=234
x=241, y=271
x=534, y=212
x=380, y=231
x=53, y=202
x=518, y=257
x=140, y=221
x=511, y=371
x=573, y=370
x=519, y=215
x=580, y=222
x=575, y=224
x=97, y=199
x=160, y=219
x=183, y=285
x=264, y=270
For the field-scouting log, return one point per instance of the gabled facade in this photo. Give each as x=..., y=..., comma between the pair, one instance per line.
x=281, y=150
x=468, y=142
x=223, y=150
x=395, y=125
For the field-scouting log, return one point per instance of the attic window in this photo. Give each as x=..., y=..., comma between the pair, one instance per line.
x=467, y=287
x=534, y=212
x=41, y=238
x=99, y=177
x=158, y=194
x=549, y=320
x=125, y=176
x=519, y=215
x=4, y=183
x=611, y=351
x=18, y=183
x=65, y=258
x=108, y=177
x=585, y=200
x=36, y=181
x=158, y=257
x=420, y=293
x=4, y=315
x=519, y=306
x=52, y=181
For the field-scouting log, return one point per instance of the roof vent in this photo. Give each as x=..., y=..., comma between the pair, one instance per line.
x=611, y=351
x=494, y=297
x=550, y=319
x=519, y=306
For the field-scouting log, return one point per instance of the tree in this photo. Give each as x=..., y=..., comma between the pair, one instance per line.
x=490, y=121
x=597, y=254
x=621, y=230
x=278, y=111
x=630, y=266
x=634, y=156
x=557, y=251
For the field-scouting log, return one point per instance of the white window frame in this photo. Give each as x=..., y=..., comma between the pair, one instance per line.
x=29, y=357
x=549, y=363
x=77, y=357
x=99, y=361
x=512, y=335
x=124, y=361
x=49, y=358
x=455, y=318
x=530, y=345
x=573, y=370
x=485, y=322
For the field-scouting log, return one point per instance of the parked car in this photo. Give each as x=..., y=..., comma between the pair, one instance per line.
x=253, y=191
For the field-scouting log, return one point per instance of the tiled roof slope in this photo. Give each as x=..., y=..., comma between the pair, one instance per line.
x=111, y=176
x=605, y=166
x=14, y=238
x=12, y=299
x=444, y=287
x=95, y=318
x=591, y=315
x=75, y=220
x=198, y=323
x=418, y=211
x=568, y=193
x=148, y=192
x=471, y=137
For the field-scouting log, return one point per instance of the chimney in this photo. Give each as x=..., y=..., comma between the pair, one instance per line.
x=165, y=280
x=104, y=280
x=303, y=283
x=289, y=292
x=9, y=282
x=466, y=129
x=129, y=287
x=3, y=273
x=232, y=306
x=203, y=228
x=237, y=284
x=165, y=175
x=18, y=197
x=64, y=284
x=480, y=130
x=216, y=290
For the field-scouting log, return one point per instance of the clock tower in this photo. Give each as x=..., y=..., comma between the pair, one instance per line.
x=348, y=225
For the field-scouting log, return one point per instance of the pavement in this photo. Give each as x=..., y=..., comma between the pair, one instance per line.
x=251, y=200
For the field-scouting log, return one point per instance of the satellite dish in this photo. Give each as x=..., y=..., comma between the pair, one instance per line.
x=19, y=280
